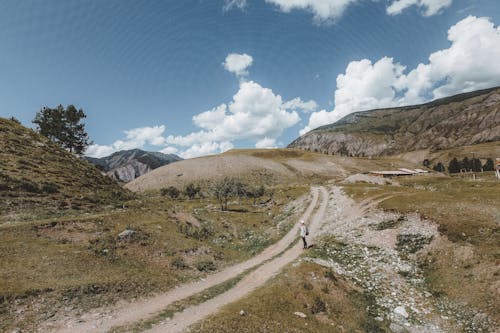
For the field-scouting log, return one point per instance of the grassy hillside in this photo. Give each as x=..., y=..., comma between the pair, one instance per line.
x=38, y=177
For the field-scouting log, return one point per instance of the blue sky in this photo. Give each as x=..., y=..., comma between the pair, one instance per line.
x=197, y=77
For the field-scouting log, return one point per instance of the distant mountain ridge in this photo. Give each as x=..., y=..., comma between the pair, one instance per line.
x=126, y=165
x=460, y=120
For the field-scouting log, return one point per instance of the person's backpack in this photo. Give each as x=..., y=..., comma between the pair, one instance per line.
x=307, y=231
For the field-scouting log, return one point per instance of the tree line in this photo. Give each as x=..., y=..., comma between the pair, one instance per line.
x=465, y=165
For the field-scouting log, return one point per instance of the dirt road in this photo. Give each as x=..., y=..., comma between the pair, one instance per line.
x=249, y=283
x=132, y=312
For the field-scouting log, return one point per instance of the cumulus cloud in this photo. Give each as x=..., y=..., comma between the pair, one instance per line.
x=331, y=10
x=134, y=138
x=255, y=113
x=470, y=63
x=266, y=143
x=231, y=4
x=238, y=64
x=206, y=148
x=430, y=7
x=323, y=10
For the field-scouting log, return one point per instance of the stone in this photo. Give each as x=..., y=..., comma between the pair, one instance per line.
x=400, y=310
x=242, y=313
x=300, y=314
x=395, y=328
x=126, y=234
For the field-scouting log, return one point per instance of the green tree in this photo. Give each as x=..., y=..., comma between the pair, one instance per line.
x=476, y=165
x=256, y=192
x=64, y=126
x=466, y=164
x=454, y=166
x=489, y=165
x=439, y=167
x=191, y=190
x=223, y=190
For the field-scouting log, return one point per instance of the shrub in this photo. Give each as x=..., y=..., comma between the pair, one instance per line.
x=318, y=306
x=206, y=266
x=192, y=190
x=179, y=263
x=170, y=191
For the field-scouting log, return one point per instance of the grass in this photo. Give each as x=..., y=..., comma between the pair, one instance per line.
x=38, y=178
x=330, y=303
x=78, y=261
x=467, y=214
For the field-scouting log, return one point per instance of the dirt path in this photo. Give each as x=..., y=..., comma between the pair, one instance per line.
x=180, y=321
x=132, y=312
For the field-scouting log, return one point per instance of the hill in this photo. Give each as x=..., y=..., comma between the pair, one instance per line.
x=126, y=165
x=269, y=166
x=461, y=120
x=37, y=175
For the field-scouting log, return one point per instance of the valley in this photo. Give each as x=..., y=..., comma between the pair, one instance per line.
x=404, y=254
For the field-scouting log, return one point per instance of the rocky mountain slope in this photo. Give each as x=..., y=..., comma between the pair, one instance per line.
x=456, y=121
x=126, y=165
x=38, y=175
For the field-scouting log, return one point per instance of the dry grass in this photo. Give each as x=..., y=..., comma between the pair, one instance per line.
x=39, y=178
x=330, y=303
x=80, y=262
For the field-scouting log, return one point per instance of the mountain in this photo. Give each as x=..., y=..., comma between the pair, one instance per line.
x=465, y=119
x=126, y=165
x=38, y=175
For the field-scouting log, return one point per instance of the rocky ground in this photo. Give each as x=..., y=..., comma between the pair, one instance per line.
x=380, y=252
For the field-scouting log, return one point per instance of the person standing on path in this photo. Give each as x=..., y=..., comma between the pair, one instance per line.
x=303, y=233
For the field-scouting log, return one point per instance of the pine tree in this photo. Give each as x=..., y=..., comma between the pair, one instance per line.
x=439, y=167
x=489, y=165
x=64, y=126
x=454, y=166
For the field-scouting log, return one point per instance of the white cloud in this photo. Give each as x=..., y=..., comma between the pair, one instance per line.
x=255, y=114
x=470, y=63
x=323, y=10
x=431, y=7
x=266, y=143
x=299, y=104
x=230, y=4
x=169, y=150
x=134, y=138
x=206, y=148
x=238, y=63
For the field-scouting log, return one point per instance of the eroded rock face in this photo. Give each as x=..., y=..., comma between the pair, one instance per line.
x=129, y=172
x=455, y=121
